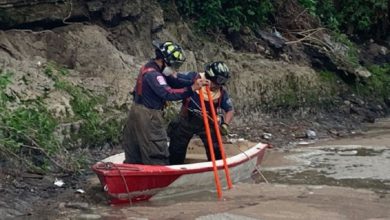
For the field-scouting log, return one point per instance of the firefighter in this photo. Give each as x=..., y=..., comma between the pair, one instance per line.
x=144, y=135
x=190, y=121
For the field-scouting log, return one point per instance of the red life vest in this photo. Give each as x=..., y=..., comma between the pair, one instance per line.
x=140, y=78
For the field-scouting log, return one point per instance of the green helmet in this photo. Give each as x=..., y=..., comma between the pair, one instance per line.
x=217, y=72
x=171, y=53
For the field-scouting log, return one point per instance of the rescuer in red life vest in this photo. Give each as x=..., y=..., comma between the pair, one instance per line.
x=190, y=122
x=144, y=135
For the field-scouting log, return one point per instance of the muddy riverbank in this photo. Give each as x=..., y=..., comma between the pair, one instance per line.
x=297, y=189
x=251, y=201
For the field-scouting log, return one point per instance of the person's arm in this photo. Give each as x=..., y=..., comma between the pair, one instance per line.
x=181, y=80
x=229, y=116
x=227, y=106
x=224, y=127
x=160, y=87
x=191, y=75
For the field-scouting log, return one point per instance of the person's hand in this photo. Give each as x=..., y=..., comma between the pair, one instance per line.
x=199, y=83
x=224, y=129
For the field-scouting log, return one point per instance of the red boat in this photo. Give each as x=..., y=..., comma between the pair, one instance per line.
x=128, y=183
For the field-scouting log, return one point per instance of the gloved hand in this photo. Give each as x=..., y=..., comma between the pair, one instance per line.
x=224, y=129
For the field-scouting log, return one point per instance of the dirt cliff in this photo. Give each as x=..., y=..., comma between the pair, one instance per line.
x=98, y=47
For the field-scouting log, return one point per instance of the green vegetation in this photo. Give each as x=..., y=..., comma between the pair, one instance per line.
x=364, y=17
x=29, y=134
x=224, y=14
x=296, y=94
x=96, y=129
x=27, y=130
x=293, y=100
x=351, y=51
x=5, y=79
x=331, y=86
x=53, y=71
x=377, y=86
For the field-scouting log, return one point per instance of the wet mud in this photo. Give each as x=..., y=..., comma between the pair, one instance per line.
x=358, y=162
x=344, y=178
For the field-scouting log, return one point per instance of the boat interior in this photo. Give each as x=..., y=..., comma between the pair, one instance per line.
x=196, y=151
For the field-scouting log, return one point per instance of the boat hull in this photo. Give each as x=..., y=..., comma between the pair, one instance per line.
x=126, y=183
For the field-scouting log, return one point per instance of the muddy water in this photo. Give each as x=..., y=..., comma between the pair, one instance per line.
x=356, y=166
x=360, y=162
